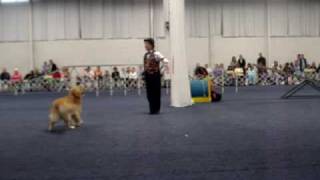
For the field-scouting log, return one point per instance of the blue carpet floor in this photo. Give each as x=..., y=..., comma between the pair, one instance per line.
x=250, y=135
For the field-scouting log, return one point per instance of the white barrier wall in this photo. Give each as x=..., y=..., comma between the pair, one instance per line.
x=82, y=52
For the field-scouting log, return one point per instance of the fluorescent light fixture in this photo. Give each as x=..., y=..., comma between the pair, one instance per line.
x=13, y=1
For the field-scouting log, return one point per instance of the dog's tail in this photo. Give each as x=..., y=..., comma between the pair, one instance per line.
x=53, y=116
x=54, y=112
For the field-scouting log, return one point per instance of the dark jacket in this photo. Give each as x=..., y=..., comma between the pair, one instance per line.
x=5, y=76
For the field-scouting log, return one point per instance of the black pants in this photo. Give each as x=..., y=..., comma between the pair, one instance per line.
x=153, y=85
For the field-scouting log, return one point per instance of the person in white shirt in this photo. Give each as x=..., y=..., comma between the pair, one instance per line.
x=209, y=70
x=133, y=77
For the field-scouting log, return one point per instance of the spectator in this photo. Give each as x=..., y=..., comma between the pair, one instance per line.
x=200, y=72
x=106, y=74
x=66, y=73
x=262, y=61
x=288, y=73
x=242, y=63
x=115, y=76
x=318, y=69
x=276, y=66
x=287, y=69
x=252, y=75
x=233, y=64
x=133, y=77
x=133, y=74
x=313, y=66
x=16, y=76
x=52, y=66
x=166, y=74
x=30, y=75
x=302, y=62
x=296, y=69
x=217, y=71
x=57, y=75
x=276, y=73
x=88, y=74
x=45, y=68
x=209, y=69
x=262, y=65
x=5, y=75
x=98, y=74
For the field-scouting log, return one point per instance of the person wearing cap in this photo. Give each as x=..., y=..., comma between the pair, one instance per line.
x=152, y=75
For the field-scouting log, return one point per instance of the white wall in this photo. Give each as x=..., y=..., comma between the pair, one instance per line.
x=92, y=52
x=15, y=55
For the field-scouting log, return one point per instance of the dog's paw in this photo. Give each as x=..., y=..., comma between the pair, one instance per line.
x=72, y=127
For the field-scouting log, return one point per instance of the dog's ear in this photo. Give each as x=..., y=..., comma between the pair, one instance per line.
x=75, y=92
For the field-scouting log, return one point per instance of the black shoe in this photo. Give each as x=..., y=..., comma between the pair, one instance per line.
x=154, y=113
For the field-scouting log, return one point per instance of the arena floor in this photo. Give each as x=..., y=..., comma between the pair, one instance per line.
x=250, y=135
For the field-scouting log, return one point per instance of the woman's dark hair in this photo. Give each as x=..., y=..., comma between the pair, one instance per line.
x=150, y=41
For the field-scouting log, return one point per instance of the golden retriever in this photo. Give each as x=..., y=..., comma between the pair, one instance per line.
x=68, y=109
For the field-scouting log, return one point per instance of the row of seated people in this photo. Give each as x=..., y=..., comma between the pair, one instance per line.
x=51, y=76
x=127, y=77
x=252, y=74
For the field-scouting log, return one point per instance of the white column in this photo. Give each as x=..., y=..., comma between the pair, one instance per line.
x=180, y=85
x=30, y=41
x=268, y=33
x=151, y=18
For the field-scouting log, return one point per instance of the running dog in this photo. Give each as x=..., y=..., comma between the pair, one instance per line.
x=68, y=109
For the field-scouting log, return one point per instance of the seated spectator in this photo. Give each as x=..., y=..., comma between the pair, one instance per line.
x=287, y=69
x=239, y=75
x=252, y=75
x=124, y=73
x=200, y=72
x=318, y=69
x=107, y=74
x=45, y=68
x=5, y=75
x=276, y=73
x=233, y=64
x=133, y=77
x=209, y=69
x=313, y=66
x=98, y=74
x=16, y=76
x=218, y=70
x=66, y=73
x=52, y=66
x=57, y=75
x=275, y=66
x=133, y=74
x=242, y=63
x=115, y=76
x=30, y=75
x=288, y=73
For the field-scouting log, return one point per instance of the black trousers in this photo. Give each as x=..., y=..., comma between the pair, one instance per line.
x=153, y=85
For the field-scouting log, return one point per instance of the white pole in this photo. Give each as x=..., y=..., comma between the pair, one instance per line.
x=210, y=45
x=151, y=18
x=31, y=43
x=268, y=32
x=180, y=88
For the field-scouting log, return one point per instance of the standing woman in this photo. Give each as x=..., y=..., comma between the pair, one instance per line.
x=152, y=75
